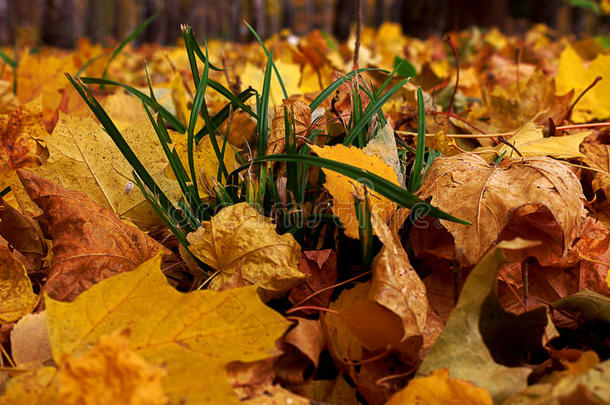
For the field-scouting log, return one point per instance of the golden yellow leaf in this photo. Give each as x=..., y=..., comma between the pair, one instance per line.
x=38, y=386
x=574, y=74
x=238, y=238
x=124, y=110
x=194, y=335
x=16, y=295
x=605, y=5
x=127, y=378
x=530, y=141
x=83, y=157
x=440, y=389
x=342, y=188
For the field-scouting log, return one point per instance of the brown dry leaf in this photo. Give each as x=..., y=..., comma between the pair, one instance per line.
x=302, y=347
x=302, y=121
x=193, y=335
x=342, y=188
x=440, y=389
x=16, y=295
x=238, y=238
x=30, y=341
x=90, y=243
x=535, y=196
x=320, y=266
x=127, y=377
x=24, y=235
x=251, y=379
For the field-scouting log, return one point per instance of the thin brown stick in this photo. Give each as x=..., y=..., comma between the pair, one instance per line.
x=358, y=31
x=569, y=114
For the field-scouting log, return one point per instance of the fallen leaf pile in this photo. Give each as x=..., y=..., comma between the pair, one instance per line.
x=337, y=293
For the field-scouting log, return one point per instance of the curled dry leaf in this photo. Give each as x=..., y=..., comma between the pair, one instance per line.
x=238, y=238
x=24, y=235
x=194, y=335
x=440, y=389
x=16, y=295
x=90, y=243
x=127, y=377
x=536, y=197
x=390, y=311
x=302, y=347
x=342, y=188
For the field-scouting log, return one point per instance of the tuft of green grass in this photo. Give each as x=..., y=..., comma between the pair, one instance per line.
x=256, y=180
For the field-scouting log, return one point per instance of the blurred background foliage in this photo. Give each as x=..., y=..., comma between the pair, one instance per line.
x=62, y=22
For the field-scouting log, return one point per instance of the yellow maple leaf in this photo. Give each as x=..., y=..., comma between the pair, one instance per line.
x=440, y=389
x=194, y=335
x=83, y=157
x=342, y=188
x=529, y=140
x=238, y=238
x=16, y=295
x=127, y=377
x=574, y=74
x=8, y=100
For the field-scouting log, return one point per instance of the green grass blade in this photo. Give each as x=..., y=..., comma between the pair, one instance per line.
x=416, y=172
x=372, y=109
x=377, y=183
x=222, y=90
x=277, y=72
x=171, y=119
x=263, y=109
x=336, y=84
x=198, y=51
x=127, y=40
x=365, y=228
x=8, y=60
x=5, y=191
x=190, y=52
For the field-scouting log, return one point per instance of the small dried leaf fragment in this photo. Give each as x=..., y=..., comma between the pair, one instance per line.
x=194, y=335
x=90, y=243
x=440, y=389
x=534, y=195
x=127, y=377
x=238, y=238
x=8, y=101
x=342, y=188
x=16, y=295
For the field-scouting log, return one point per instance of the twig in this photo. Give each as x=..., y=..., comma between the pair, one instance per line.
x=569, y=114
x=358, y=30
